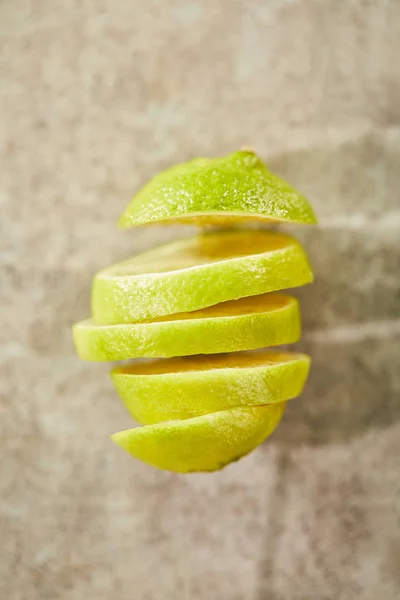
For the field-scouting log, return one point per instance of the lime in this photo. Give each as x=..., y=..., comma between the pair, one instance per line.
x=254, y=322
x=198, y=297
x=217, y=190
x=205, y=443
x=182, y=388
x=198, y=272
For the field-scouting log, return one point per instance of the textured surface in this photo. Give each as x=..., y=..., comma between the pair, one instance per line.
x=198, y=272
x=155, y=391
x=245, y=324
x=238, y=183
x=97, y=97
x=205, y=443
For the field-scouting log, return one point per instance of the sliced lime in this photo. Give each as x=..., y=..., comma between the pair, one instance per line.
x=254, y=322
x=218, y=190
x=182, y=388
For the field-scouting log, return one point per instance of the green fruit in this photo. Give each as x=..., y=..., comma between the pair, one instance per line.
x=254, y=322
x=205, y=443
x=182, y=388
x=212, y=293
x=235, y=187
x=198, y=272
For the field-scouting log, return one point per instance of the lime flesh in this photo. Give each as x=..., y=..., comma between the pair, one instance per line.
x=198, y=272
x=246, y=324
x=219, y=190
x=205, y=443
x=182, y=388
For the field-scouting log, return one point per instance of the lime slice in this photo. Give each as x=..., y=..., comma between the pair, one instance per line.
x=219, y=190
x=182, y=388
x=205, y=443
x=197, y=272
x=265, y=320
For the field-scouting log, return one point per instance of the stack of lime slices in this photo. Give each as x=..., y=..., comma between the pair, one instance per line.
x=196, y=305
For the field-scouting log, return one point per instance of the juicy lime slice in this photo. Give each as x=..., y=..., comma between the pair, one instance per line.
x=182, y=388
x=197, y=272
x=218, y=190
x=245, y=324
x=205, y=443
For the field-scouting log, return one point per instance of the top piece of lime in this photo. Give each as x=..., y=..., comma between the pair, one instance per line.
x=223, y=190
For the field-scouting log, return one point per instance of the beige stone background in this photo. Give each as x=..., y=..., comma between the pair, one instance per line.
x=96, y=96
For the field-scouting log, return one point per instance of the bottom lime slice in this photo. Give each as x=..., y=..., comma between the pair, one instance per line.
x=182, y=388
x=205, y=443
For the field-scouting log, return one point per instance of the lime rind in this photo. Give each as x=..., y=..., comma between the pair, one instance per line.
x=276, y=321
x=184, y=394
x=205, y=443
x=118, y=296
x=237, y=185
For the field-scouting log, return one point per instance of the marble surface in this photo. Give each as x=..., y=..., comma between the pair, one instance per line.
x=96, y=97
